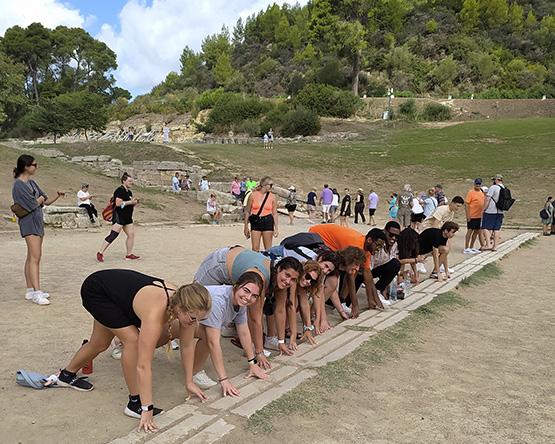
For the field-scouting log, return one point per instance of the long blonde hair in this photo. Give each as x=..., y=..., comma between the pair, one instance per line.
x=187, y=298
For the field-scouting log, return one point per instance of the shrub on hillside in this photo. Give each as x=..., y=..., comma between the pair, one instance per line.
x=436, y=112
x=408, y=109
x=250, y=127
x=233, y=108
x=326, y=100
x=300, y=122
x=209, y=98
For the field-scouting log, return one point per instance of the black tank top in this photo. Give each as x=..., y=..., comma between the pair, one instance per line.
x=121, y=286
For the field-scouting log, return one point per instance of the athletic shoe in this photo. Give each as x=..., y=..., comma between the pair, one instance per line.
x=229, y=331
x=346, y=309
x=203, y=380
x=420, y=267
x=383, y=300
x=133, y=410
x=99, y=257
x=131, y=257
x=175, y=344
x=39, y=298
x=476, y=250
x=271, y=343
x=117, y=351
x=267, y=353
x=433, y=275
x=442, y=269
x=74, y=382
x=468, y=251
x=29, y=294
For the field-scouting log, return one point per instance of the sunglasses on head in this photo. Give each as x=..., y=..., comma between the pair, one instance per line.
x=310, y=279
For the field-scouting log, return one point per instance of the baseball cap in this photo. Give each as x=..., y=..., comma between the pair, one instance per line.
x=291, y=188
x=485, y=189
x=478, y=181
x=498, y=177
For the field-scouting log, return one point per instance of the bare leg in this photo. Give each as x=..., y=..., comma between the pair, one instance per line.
x=255, y=240
x=267, y=239
x=130, y=241
x=100, y=340
x=467, y=238
x=32, y=262
x=201, y=350
x=473, y=238
x=129, y=336
x=496, y=236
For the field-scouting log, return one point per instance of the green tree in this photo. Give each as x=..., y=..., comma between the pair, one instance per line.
x=85, y=111
x=494, y=12
x=12, y=92
x=223, y=70
x=470, y=14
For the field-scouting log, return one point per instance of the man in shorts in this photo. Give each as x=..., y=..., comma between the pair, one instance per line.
x=326, y=198
x=372, y=206
x=492, y=218
x=443, y=213
x=474, y=208
x=435, y=241
x=311, y=205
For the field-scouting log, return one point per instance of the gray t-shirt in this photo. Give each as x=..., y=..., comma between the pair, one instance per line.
x=223, y=312
x=26, y=195
x=493, y=192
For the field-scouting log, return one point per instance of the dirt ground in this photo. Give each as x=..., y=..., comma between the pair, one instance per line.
x=483, y=373
x=44, y=338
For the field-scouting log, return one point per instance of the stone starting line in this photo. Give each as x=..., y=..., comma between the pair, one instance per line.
x=204, y=423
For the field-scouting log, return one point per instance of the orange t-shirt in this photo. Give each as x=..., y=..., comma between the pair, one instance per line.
x=337, y=238
x=476, y=201
x=257, y=199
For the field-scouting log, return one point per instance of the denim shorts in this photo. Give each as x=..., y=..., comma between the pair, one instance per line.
x=213, y=269
x=492, y=222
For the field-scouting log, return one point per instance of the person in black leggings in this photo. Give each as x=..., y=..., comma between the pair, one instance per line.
x=144, y=313
x=359, y=207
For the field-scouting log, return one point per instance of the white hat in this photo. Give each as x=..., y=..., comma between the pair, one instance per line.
x=292, y=188
x=485, y=189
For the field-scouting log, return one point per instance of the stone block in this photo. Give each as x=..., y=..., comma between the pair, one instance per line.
x=365, y=315
x=391, y=320
x=322, y=350
x=380, y=317
x=212, y=433
x=180, y=430
x=104, y=158
x=411, y=299
x=90, y=159
x=116, y=162
x=423, y=301
x=349, y=347
x=222, y=198
x=77, y=159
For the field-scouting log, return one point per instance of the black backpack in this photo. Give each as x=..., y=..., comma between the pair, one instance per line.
x=312, y=241
x=505, y=201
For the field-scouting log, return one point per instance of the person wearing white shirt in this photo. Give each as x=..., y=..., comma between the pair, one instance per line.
x=84, y=201
x=176, y=185
x=204, y=185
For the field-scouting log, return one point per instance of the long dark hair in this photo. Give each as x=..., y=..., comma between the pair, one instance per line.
x=23, y=161
x=408, y=244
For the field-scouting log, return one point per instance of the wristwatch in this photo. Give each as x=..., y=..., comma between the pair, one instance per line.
x=147, y=408
x=308, y=327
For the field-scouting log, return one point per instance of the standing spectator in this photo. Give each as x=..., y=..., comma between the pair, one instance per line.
x=271, y=139
x=326, y=198
x=84, y=201
x=417, y=213
x=430, y=202
x=165, y=134
x=405, y=204
x=243, y=188
x=130, y=134
x=29, y=200
x=203, y=184
x=492, y=218
x=176, y=183
x=311, y=205
x=345, y=211
x=546, y=215
x=291, y=204
x=474, y=208
x=443, y=213
x=334, y=204
x=185, y=183
x=122, y=218
x=359, y=206
x=236, y=188
x=261, y=214
x=440, y=195
x=266, y=140
x=393, y=207
x=372, y=206
x=213, y=209
x=251, y=184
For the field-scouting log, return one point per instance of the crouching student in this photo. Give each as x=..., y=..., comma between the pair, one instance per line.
x=434, y=241
x=229, y=304
x=143, y=312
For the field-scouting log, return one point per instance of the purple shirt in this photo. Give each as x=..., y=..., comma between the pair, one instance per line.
x=326, y=196
x=373, y=201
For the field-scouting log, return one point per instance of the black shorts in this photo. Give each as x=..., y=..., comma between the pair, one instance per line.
x=417, y=217
x=121, y=220
x=346, y=213
x=474, y=224
x=291, y=208
x=371, y=211
x=264, y=223
x=101, y=307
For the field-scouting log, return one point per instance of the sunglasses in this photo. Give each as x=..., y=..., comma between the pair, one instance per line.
x=310, y=279
x=270, y=185
x=34, y=165
x=393, y=235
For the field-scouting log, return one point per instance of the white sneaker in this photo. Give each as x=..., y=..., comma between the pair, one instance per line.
x=346, y=309
x=476, y=250
x=271, y=343
x=468, y=251
x=203, y=381
x=442, y=269
x=39, y=298
x=383, y=300
x=117, y=351
x=229, y=331
x=29, y=294
x=267, y=353
x=421, y=268
x=175, y=344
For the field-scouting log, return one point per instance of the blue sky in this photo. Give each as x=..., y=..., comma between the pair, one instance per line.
x=147, y=36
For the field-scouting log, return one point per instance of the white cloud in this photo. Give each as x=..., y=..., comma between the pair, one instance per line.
x=150, y=38
x=50, y=13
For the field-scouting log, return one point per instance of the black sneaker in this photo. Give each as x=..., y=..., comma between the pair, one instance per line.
x=66, y=379
x=133, y=410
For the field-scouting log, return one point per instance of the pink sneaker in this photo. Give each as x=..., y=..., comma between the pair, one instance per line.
x=131, y=257
x=99, y=257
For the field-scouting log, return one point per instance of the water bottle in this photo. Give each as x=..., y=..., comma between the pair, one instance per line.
x=406, y=283
x=88, y=367
x=393, y=290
